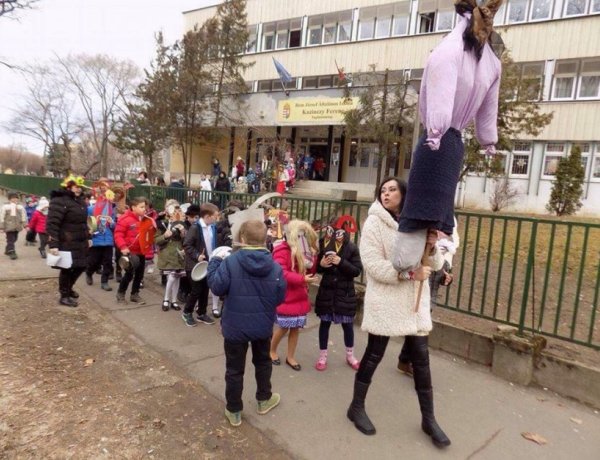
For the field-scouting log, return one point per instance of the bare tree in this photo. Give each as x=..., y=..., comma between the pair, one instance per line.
x=102, y=85
x=504, y=193
x=7, y=7
x=46, y=115
x=19, y=160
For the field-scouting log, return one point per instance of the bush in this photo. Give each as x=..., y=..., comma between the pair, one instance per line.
x=567, y=188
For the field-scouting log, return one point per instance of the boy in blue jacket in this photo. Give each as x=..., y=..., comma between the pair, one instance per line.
x=253, y=286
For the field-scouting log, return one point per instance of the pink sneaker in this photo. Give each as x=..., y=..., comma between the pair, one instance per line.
x=353, y=362
x=321, y=363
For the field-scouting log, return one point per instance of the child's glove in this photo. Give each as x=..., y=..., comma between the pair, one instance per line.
x=221, y=252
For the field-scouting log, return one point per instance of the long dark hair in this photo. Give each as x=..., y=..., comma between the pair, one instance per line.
x=401, y=186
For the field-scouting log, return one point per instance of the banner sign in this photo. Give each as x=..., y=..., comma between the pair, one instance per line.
x=315, y=110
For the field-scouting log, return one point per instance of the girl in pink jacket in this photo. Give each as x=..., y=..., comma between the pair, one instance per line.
x=296, y=255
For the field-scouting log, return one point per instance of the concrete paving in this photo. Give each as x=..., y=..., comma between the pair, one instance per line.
x=483, y=415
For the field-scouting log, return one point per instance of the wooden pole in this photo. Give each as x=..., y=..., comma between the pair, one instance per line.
x=425, y=263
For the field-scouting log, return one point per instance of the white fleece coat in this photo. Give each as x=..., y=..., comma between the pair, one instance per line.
x=389, y=302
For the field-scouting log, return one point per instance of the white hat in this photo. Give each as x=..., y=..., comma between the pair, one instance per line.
x=43, y=204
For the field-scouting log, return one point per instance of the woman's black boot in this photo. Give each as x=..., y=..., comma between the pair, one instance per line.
x=356, y=411
x=422, y=377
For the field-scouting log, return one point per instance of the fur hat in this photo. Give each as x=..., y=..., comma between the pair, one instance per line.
x=481, y=26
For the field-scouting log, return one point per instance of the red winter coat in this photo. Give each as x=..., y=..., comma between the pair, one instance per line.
x=127, y=233
x=296, y=295
x=38, y=222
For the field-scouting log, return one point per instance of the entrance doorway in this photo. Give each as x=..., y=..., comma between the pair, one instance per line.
x=320, y=154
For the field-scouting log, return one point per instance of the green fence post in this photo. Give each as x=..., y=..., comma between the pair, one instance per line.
x=528, y=272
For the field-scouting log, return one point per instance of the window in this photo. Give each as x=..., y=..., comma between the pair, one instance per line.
x=269, y=36
x=499, y=18
x=252, y=37
x=383, y=25
x=595, y=6
x=589, y=83
x=517, y=11
x=585, y=155
x=315, y=30
x=265, y=86
x=282, y=34
x=521, y=155
x=575, y=7
x=532, y=77
x=326, y=81
x=329, y=32
x=366, y=23
x=554, y=152
x=596, y=170
x=309, y=82
x=445, y=18
x=345, y=30
x=564, y=79
x=402, y=18
x=541, y=9
x=435, y=15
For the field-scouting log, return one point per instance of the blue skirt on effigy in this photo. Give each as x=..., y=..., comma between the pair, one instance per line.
x=432, y=182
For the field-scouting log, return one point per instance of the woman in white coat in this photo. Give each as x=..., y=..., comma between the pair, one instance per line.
x=389, y=309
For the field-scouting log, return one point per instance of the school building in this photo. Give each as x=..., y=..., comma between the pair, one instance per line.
x=555, y=41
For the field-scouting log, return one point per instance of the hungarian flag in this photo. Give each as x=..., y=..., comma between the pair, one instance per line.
x=343, y=77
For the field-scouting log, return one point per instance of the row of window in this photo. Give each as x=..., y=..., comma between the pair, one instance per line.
x=572, y=79
x=394, y=20
x=520, y=159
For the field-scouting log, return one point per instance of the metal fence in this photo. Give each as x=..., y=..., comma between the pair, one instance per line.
x=540, y=275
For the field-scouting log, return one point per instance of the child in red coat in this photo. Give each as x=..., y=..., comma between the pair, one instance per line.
x=38, y=224
x=296, y=255
x=132, y=236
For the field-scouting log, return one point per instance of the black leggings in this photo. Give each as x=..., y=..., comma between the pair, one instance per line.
x=416, y=348
x=324, y=334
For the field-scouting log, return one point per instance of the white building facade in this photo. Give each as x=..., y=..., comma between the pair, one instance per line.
x=555, y=41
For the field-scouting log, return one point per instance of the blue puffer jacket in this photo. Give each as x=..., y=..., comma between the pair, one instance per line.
x=253, y=285
x=103, y=236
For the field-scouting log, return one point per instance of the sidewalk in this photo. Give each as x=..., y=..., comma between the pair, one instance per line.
x=483, y=415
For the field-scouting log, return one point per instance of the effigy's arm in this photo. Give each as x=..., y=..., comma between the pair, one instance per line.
x=486, y=119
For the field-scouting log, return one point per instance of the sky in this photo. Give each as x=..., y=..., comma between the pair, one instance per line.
x=121, y=28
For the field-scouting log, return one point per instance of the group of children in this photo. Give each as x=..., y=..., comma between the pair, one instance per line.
x=15, y=217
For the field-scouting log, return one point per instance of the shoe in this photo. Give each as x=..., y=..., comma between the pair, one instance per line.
x=135, y=298
x=175, y=306
x=105, y=287
x=296, y=367
x=405, y=368
x=13, y=256
x=165, y=305
x=150, y=270
x=322, y=361
x=356, y=412
x=42, y=253
x=88, y=279
x=271, y=403
x=68, y=302
x=188, y=319
x=216, y=313
x=206, y=319
x=73, y=294
x=121, y=297
x=353, y=362
x=276, y=362
x=234, y=418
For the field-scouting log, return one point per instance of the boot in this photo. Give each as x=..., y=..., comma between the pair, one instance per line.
x=105, y=287
x=42, y=253
x=67, y=301
x=356, y=412
x=422, y=378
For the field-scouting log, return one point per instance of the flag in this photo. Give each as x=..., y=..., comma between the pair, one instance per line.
x=343, y=77
x=284, y=75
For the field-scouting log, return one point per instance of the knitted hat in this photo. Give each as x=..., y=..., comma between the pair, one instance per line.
x=43, y=204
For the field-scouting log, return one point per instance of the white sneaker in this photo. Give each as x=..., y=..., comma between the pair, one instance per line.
x=150, y=270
